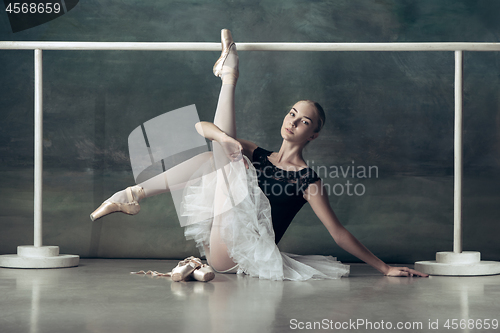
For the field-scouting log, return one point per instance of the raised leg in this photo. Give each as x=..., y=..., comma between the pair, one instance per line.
x=217, y=253
x=224, y=114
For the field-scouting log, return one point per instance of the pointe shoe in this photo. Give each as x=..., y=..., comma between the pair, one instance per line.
x=204, y=273
x=228, y=74
x=134, y=195
x=184, y=269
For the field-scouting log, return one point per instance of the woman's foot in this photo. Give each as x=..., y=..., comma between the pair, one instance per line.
x=126, y=201
x=226, y=67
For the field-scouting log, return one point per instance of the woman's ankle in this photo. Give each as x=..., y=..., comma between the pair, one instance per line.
x=130, y=194
x=230, y=68
x=138, y=192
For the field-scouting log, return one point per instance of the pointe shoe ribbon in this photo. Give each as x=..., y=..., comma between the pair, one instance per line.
x=152, y=273
x=132, y=207
x=228, y=74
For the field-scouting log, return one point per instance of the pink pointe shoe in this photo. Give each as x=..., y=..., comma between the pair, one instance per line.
x=184, y=269
x=228, y=74
x=204, y=273
x=134, y=195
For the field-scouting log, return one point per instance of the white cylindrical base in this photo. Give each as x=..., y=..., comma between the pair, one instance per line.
x=465, y=257
x=33, y=251
x=29, y=256
x=461, y=264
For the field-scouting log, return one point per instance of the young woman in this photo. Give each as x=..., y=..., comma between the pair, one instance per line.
x=249, y=201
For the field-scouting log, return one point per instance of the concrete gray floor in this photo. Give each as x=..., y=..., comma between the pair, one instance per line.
x=101, y=296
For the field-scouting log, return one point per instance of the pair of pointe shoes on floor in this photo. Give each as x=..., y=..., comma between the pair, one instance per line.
x=190, y=268
x=229, y=75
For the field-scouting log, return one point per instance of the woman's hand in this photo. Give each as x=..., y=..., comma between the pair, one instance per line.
x=404, y=271
x=232, y=148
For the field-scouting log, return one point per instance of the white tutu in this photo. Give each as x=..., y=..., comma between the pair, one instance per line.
x=244, y=216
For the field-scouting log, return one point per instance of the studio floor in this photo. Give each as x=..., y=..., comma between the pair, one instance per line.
x=101, y=296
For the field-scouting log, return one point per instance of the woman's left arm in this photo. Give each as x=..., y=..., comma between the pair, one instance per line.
x=317, y=197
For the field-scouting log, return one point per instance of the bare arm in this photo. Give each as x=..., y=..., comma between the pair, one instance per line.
x=317, y=196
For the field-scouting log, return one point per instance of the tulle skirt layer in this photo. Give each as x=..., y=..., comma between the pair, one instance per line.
x=229, y=201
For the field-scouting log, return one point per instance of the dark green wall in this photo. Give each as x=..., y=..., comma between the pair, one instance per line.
x=392, y=110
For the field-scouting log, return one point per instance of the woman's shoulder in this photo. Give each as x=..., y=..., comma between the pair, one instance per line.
x=307, y=177
x=310, y=174
x=260, y=153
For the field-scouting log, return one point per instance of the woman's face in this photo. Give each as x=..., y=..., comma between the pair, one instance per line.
x=300, y=123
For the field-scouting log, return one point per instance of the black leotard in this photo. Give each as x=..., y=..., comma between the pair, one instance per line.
x=284, y=189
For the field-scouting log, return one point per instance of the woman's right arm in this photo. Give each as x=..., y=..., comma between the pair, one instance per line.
x=214, y=133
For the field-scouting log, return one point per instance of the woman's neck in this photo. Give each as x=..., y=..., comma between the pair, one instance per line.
x=290, y=153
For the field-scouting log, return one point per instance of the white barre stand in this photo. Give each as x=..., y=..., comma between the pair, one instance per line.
x=38, y=256
x=458, y=262
x=446, y=263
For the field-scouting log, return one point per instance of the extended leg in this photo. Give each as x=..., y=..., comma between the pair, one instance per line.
x=175, y=177
x=217, y=253
x=127, y=201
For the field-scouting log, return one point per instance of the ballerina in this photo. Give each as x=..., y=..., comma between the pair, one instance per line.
x=272, y=187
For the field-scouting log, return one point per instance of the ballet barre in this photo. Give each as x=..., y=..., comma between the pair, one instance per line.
x=200, y=46
x=458, y=262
